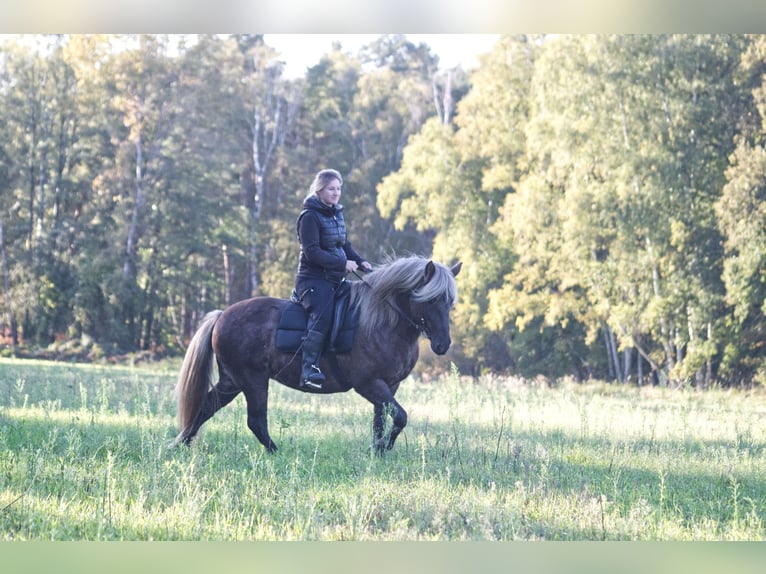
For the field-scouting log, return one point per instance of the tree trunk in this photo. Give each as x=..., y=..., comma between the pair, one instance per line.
x=655, y=367
x=448, y=105
x=264, y=142
x=626, y=355
x=129, y=265
x=12, y=326
x=664, y=327
x=605, y=329
x=709, y=362
x=226, y=275
x=37, y=245
x=615, y=357
x=615, y=370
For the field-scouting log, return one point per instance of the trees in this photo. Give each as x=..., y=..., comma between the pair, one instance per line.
x=741, y=211
x=627, y=142
x=269, y=106
x=607, y=154
x=38, y=185
x=392, y=103
x=604, y=192
x=452, y=181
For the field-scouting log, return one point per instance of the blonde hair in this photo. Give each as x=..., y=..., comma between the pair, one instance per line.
x=322, y=180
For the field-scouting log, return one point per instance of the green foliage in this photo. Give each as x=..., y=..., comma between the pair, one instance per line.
x=604, y=192
x=742, y=219
x=601, y=160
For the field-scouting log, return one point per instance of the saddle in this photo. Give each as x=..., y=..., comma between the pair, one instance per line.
x=293, y=323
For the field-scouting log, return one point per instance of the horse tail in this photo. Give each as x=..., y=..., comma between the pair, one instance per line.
x=196, y=374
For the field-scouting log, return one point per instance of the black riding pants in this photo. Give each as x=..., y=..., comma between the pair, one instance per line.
x=317, y=296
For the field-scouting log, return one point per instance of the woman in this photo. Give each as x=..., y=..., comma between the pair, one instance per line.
x=326, y=256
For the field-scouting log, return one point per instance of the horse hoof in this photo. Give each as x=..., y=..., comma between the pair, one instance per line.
x=179, y=440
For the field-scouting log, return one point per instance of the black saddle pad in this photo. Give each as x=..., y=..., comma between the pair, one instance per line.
x=293, y=322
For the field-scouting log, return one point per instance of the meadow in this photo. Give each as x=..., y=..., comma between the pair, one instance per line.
x=84, y=455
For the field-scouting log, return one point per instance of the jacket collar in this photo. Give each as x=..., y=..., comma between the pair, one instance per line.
x=313, y=203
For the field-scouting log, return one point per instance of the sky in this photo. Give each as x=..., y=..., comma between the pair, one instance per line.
x=301, y=51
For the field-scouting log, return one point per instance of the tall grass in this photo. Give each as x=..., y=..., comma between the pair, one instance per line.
x=84, y=456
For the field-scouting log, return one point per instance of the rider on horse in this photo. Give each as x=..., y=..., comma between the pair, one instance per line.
x=325, y=258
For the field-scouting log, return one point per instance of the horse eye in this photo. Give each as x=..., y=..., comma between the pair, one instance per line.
x=446, y=303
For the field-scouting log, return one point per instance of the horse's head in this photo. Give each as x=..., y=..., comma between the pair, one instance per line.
x=431, y=303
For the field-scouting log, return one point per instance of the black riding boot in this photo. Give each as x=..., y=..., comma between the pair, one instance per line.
x=311, y=376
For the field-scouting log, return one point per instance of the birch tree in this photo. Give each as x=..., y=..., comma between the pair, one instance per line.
x=741, y=212
x=270, y=105
x=629, y=132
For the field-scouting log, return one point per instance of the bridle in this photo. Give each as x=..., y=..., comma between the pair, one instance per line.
x=419, y=325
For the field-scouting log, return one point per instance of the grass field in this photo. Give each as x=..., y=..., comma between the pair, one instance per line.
x=84, y=456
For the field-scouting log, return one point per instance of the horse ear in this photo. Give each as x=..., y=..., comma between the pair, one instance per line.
x=430, y=271
x=456, y=268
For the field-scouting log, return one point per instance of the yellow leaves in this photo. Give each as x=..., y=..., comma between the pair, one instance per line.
x=498, y=176
x=391, y=192
x=679, y=234
x=427, y=188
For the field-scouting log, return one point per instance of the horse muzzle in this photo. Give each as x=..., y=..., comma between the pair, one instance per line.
x=440, y=347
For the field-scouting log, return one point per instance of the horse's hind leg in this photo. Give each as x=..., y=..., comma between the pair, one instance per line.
x=256, y=390
x=222, y=393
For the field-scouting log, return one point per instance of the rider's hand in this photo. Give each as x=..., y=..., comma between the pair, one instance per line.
x=351, y=266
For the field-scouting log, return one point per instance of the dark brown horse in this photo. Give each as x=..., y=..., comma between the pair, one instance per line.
x=397, y=302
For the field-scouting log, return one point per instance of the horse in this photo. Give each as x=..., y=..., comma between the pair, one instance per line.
x=396, y=303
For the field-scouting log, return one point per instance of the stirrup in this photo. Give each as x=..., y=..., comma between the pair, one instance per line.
x=309, y=384
x=313, y=380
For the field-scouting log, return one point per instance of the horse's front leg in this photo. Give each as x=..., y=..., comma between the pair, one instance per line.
x=384, y=403
x=399, y=417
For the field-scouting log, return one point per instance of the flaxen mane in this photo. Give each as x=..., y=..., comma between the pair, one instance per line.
x=376, y=294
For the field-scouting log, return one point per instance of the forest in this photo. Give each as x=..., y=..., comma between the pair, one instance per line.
x=605, y=193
